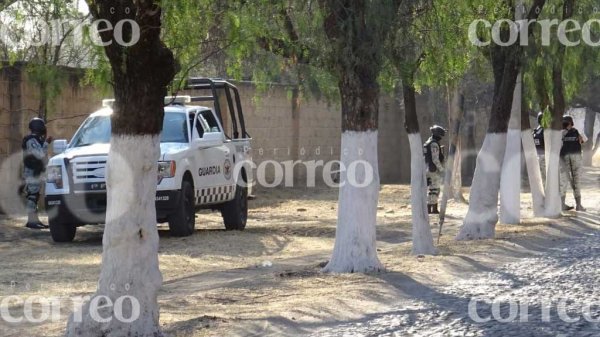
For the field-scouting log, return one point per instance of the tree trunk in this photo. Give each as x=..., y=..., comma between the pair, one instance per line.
x=533, y=166
x=356, y=36
x=295, y=152
x=130, y=242
x=482, y=216
x=457, y=181
x=510, y=181
x=590, y=120
x=455, y=117
x=355, y=249
x=457, y=113
x=554, y=134
x=553, y=202
x=422, y=238
x=470, y=158
x=453, y=179
x=481, y=219
x=43, y=103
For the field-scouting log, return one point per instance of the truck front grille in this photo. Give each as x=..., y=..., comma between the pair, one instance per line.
x=88, y=170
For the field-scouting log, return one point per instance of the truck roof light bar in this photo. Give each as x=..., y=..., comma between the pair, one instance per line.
x=180, y=100
x=108, y=103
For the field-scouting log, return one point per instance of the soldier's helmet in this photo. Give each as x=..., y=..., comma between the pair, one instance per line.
x=37, y=125
x=540, y=115
x=568, y=119
x=437, y=131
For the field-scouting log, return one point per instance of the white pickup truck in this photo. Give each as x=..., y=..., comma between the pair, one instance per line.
x=200, y=166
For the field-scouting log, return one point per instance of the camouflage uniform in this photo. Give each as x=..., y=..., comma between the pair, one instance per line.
x=570, y=173
x=571, y=164
x=435, y=170
x=35, y=151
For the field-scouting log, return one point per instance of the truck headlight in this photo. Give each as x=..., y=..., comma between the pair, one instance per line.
x=54, y=176
x=166, y=169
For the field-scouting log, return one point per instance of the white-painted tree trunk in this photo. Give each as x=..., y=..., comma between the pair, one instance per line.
x=422, y=238
x=553, y=143
x=130, y=246
x=355, y=249
x=480, y=221
x=533, y=172
x=510, y=181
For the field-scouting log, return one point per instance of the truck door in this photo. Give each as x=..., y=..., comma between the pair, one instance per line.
x=213, y=162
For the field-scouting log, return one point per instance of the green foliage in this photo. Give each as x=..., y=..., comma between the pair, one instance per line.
x=546, y=118
x=428, y=45
x=281, y=42
x=36, y=38
x=579, y=63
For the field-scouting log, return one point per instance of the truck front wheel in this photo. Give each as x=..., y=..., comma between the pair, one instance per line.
x=235, y=212
x=62, y=232
x=183, y=220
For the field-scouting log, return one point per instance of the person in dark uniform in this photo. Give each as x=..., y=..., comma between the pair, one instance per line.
x=35, y=152
x=571, y=163
x=434, y=159
x=538, y=139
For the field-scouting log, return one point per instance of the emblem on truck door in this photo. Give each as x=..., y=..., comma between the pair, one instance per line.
x=227, y=169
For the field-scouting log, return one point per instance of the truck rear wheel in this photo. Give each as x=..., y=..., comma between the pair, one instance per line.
x=183, y=220
x=235, y=212
x=62, y=232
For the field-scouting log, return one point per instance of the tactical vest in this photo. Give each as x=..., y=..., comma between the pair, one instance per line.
x=30, y=161
x=428, y=156
x=538, y=139
x=571, y=142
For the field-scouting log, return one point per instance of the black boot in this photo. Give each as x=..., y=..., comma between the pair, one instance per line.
x=579, y=207
x=434, y=209
x=34, y=222
x=565, y=207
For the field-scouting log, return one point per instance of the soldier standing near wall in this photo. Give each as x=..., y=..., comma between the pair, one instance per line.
x=570, y=163
x=434, y=158
x=538, y=139
x=35, y=153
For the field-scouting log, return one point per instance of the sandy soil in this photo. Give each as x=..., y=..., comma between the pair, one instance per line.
x=266, y=280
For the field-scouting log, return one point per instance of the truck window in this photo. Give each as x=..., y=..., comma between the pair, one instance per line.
x=201, y=126
x=211, y=120
x=174, y=128
x=97, y=130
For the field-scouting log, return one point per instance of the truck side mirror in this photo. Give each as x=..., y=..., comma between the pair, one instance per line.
x=209, y=139
x=59, y=146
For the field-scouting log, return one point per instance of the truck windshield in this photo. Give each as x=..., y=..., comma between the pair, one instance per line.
x=96, y=130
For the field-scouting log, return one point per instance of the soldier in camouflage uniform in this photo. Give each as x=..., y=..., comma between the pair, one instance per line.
x=538, y=139
x=571, y=163
x=35, y=152
x=434, y=159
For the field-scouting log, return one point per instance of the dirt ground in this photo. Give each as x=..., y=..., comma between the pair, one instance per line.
x=266, y=280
